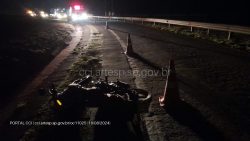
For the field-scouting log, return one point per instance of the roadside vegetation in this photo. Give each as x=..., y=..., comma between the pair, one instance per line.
x=236, y=41
x=26, y=47
x=87, y=59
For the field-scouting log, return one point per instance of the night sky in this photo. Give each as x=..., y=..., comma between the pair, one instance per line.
x=232, y=10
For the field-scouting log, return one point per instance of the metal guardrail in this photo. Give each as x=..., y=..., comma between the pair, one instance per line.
x=209, y=26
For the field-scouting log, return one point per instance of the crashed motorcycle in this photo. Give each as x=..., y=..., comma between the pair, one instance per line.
x=116, y=98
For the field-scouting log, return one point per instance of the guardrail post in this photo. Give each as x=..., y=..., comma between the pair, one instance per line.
x=228, y=29
x=208, y=31
x=95, y=19
x=229, y=35
x=107, y=26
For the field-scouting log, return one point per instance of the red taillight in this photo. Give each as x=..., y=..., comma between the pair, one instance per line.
x=77, y=7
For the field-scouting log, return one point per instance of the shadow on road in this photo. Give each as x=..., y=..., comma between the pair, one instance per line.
x=62, y=132
x=146, y=61
x=119, y=130
x=187, y=115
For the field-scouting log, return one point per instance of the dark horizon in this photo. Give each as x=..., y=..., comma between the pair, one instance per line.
x=231, y=12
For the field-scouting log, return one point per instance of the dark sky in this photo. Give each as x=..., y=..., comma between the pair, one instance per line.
x=232, y=9
x=158, y=7
x=144, y=6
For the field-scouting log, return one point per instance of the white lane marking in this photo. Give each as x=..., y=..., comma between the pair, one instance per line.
x=134, y=67
x=123, y=45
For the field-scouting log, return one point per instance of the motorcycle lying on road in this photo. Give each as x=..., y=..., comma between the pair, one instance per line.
x=117, y=98
x=117, y=103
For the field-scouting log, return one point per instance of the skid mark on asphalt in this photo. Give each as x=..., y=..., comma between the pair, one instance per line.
x=88, y=131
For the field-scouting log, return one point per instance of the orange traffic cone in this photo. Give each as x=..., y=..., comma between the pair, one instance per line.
x=171, y=93
x=129, y=50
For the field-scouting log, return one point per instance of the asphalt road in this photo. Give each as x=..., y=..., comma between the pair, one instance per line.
x=214, y=82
